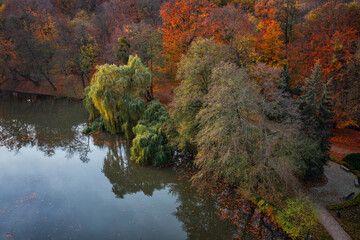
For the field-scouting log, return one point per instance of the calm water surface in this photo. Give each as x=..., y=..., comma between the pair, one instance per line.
x=56, y=183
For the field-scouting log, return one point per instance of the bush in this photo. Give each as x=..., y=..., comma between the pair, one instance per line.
x=298, y=218
x=97, y=125
x=353, y=161
x=150, y=144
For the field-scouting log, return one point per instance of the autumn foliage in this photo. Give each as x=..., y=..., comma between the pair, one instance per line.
x=183, y=22
x=53, y=47
x=330, y=35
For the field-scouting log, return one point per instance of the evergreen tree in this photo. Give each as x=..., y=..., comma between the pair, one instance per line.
x=316, y=114
x=122, y=50
x=285, y=81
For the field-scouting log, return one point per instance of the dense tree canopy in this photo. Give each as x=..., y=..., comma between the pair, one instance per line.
x=194, y=71
x=53, y=47
x=331, y=34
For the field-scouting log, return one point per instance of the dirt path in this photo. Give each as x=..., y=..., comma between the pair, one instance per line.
x=331, y=225
x=340, y=183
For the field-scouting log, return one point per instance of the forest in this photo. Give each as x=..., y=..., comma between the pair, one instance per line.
x=248, y=90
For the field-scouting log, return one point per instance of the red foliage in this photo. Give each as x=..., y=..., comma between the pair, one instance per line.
x=228, y=22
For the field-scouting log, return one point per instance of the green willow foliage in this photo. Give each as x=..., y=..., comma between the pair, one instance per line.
x=117, y=95
x=150, y=144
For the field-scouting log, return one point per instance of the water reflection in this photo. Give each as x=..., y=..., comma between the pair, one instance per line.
x=111, y=197
x=43, y=124
x=197, y=212
x=127, y=177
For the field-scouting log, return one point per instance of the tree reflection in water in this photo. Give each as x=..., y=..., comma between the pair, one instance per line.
x=128, y=177
x=197, y=212
x=55, y=125
x=47, y=125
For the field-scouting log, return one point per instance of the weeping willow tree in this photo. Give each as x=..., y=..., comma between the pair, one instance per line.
x=150, y=144
x=116, y=95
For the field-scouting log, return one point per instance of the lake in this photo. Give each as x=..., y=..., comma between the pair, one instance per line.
x=56, y=183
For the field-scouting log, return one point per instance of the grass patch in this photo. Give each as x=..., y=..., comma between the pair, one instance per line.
x=350, y=216
x=350, y=220
x=319, y=232
x=347, y=204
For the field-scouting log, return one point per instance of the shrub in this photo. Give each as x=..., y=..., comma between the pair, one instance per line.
x=298, y=217
x=353, y=161
x=347, y=204
x=97, y=125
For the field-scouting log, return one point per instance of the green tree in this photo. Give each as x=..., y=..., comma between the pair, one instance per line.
x=87, y=58
x=316, y=114
x=122, y=50
x=229, y=137
x=230, y=142
x=194, y=72
x=147, y=42
x=298, y=218
x=117, y=95
x=150, y=144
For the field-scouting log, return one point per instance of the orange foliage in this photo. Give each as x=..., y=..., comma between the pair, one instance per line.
x=183, y=22
x=343, y=142
x=346, y=137
x=328, y=36
x=43, y=26
x=269, y=42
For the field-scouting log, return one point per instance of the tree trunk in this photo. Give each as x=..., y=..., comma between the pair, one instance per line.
x=82, y=79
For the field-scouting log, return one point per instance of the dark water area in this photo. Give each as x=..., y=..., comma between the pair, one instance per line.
x=56, y=183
